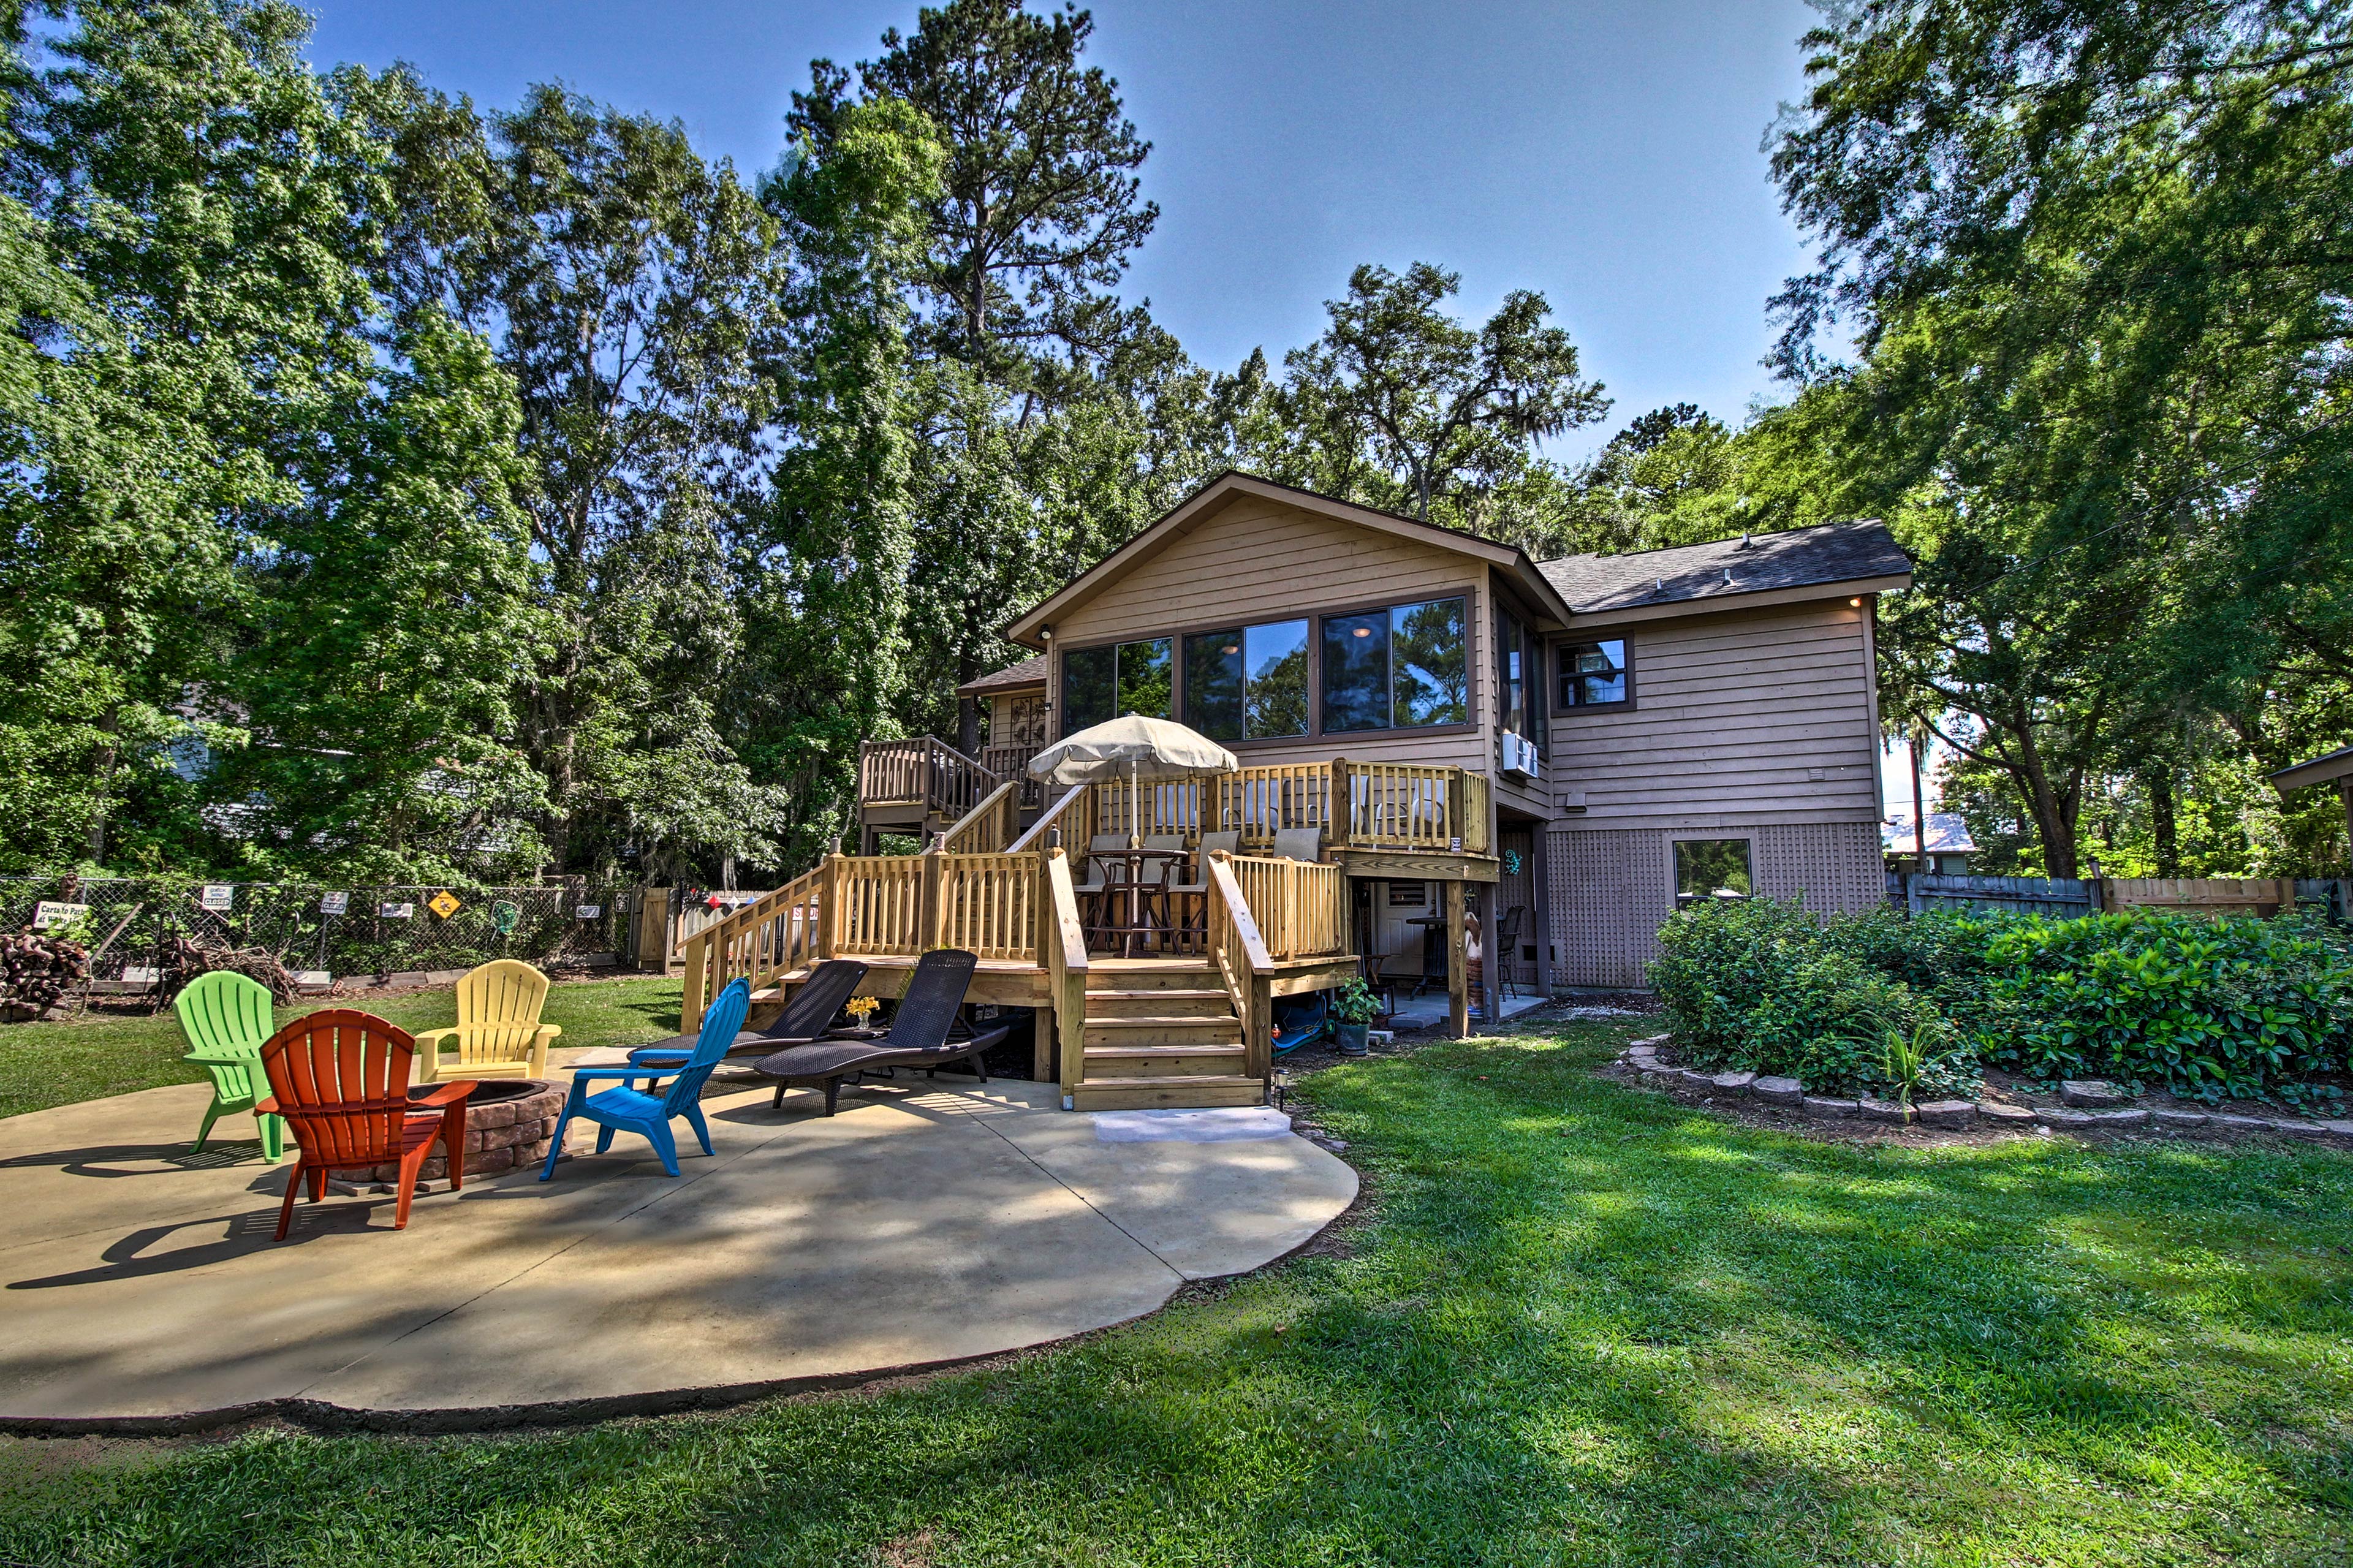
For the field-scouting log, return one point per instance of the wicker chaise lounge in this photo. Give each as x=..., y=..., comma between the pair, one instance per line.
x=918, y=1037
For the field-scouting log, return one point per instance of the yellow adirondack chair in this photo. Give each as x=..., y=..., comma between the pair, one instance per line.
x=498, y=1033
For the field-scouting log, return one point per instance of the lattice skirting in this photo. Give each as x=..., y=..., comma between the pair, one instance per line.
x=1611, y=888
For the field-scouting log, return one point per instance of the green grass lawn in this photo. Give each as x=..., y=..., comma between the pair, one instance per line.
x=43, y=1065
x=1587, y=1325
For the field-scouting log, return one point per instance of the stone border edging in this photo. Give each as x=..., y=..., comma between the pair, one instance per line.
x=1964, y=1115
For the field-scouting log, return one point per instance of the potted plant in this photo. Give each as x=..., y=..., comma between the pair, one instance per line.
x=1353, y=1008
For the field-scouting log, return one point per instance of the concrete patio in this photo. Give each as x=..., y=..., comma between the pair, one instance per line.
x=931, y=1221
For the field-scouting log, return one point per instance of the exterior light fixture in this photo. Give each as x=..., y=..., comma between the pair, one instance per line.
x=1856, y=602
x=1045, y=634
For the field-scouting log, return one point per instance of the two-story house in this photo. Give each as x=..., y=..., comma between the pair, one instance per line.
x=1561, y=752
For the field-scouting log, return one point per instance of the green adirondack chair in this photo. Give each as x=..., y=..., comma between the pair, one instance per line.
x=226, y=1018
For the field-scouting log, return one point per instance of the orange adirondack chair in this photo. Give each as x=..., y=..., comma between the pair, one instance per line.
x=339, y=1079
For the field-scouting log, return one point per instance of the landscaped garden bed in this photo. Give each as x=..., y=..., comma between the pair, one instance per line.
x=2109, y=1022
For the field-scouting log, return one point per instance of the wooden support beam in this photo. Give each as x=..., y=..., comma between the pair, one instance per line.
x=1540, y=907
x=1457, y=981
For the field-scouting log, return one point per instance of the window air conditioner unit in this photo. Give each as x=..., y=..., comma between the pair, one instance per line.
x=1520, y=757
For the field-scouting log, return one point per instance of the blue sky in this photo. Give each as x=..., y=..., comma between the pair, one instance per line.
x=1606, y=155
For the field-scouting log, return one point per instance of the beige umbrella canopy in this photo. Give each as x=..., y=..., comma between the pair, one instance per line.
x=1139, y=749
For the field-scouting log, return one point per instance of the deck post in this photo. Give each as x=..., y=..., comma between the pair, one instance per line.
x=1540, y=875
x=1457, y=981
x=689, y=1004
x=1338, y=805
x=931, y=913
x=1259, y=1029
x=828, y=906
x=1048, y=1019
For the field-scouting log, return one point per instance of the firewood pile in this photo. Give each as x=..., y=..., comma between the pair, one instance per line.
x=36, y=972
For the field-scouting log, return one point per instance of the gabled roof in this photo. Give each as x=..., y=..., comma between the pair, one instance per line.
x=1233, y=484
x=2336, y=764
x=1853, y=557
x=1031, y=671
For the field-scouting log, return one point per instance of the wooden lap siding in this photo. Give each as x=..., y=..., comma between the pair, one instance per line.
x=1761, y=717
x=1612, y=889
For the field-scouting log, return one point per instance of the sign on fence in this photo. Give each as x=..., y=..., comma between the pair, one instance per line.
x=588, y=911
x=218, y=897
x=334, y=903
x=444, y=903
x=48, y=914
x=394, y=911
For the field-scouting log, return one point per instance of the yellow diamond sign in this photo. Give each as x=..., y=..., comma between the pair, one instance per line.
x=444, y=903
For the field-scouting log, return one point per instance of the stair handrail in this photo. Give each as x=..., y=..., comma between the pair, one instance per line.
x=745, y=942
x=939, y=763
x=1052, y=817
x=1244, y=963
x=983, y=829
x=1063, y=947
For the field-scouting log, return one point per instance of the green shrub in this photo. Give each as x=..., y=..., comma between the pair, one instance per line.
x=1768, y=987
x=2207, y=1008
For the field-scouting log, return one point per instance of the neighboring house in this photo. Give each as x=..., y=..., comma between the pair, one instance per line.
x=1947, y=850
x=1631, y=731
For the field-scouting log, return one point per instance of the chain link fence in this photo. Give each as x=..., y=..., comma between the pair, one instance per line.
x=347, y=933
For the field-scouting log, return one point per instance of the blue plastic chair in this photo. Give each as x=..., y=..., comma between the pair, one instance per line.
x=630, y=1109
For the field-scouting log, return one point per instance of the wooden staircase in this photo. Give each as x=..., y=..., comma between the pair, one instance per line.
x=1161, y=1032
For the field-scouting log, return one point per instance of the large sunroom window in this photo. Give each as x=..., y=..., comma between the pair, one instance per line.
x=1100, y=683
x=1403, y=668
x=1247, y=683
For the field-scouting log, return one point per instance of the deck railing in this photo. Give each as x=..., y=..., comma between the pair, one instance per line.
x=1012, y=761
x=1358, y=806
x=989, y=826
x=922, y=771
x=1301, y=908
x=998, y=903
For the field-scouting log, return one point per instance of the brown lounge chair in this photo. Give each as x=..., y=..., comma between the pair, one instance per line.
x=806, y=1016
x=918, y=1037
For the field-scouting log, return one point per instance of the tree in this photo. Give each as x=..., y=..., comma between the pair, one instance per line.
x=1036, y=210
x=824, y=594
x=1400, y=405
x=634, y=294
x=183, y=168
x=2096, y=262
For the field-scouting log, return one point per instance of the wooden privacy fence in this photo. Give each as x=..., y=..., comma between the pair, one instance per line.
x=2064, y=898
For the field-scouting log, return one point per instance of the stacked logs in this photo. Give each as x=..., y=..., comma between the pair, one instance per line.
x=36, y=972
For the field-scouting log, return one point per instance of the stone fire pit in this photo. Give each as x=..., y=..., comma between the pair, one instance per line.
x=508, y=1123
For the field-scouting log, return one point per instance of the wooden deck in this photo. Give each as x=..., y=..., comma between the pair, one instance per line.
x=1191, y=1024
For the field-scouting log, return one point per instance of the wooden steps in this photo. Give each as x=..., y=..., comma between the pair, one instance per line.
x=1167, y=1094
x=1162, y=1034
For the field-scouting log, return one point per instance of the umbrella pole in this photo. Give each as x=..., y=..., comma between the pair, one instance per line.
x=1134, y=811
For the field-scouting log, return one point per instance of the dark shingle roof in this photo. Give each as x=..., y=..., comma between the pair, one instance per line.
x=1029, y=672
x=1798, y=558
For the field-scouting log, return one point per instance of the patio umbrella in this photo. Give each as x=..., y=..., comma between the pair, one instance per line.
x=1139, y=749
